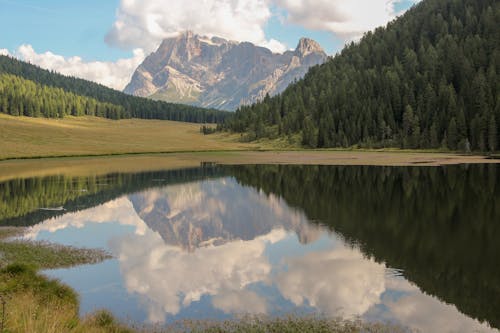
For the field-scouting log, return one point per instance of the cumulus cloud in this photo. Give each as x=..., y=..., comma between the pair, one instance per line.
x=240, y=301
x=4, y=52
x=337, y=282
x=112, y=74
x=119, y=210
x=347, y=19
x=169, y=279
x=144, y=23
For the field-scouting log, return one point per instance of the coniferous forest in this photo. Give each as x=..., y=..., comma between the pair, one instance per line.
x=29, y=90
x=430, y=79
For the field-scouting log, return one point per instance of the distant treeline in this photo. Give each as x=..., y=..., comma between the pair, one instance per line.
x=109, y=103
x=430, y=79
x=20, y=97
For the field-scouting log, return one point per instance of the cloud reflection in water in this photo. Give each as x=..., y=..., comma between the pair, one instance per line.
x=216, y=238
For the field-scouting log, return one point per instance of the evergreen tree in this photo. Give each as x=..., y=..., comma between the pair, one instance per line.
x=440, y=60
x=492, y=134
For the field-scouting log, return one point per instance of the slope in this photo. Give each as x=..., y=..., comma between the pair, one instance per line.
x=27, y=137
x=429, y=79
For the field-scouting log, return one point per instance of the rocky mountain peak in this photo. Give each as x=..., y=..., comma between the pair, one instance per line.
x=217, y=73
x=307, y=46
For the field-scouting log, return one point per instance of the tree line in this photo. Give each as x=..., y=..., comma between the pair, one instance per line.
x=20, y=97
x=129, y=106
x=429, y=79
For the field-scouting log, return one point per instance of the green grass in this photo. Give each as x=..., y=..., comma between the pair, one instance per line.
x=43, y=255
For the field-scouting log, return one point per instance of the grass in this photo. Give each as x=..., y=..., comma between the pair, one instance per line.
x=287, y=324
x=24, y=137
x=43, y=255
x=34, y=303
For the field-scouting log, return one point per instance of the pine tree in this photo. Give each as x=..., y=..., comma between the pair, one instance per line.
x=492, y=134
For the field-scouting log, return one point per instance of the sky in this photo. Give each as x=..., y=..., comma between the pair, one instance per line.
x=105, y=40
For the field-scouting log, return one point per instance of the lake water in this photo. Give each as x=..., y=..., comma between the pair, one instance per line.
x=416, y=246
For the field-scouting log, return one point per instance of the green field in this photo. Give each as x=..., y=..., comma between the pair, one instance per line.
x=22, y=137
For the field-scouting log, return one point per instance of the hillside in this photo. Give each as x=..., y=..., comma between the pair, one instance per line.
x=217, y=73
x=429, y=79
x=29, y=95
x=27, y=137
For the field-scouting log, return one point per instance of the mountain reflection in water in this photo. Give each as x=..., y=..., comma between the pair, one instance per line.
x=416, y=246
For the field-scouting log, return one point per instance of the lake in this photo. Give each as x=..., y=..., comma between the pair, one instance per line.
x=416, y=246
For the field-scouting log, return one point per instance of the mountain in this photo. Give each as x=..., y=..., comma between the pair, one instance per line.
x=215, y=212
x=31, y=91
x=430, y=79
x=217, y=73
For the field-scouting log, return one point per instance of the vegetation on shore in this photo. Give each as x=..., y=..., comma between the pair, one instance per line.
x=427, y=80
x=34, y=303
x=31, y=302
x=41, y=254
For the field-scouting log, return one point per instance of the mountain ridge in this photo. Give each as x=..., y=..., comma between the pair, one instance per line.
x=218, y=73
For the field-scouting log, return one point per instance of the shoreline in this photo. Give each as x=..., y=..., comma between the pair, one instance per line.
x=137, y=162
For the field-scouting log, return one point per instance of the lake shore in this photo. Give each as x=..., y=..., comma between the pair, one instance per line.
x=98, y=165
x=36, y=303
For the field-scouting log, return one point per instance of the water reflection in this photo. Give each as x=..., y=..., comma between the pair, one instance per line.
x=261, y=239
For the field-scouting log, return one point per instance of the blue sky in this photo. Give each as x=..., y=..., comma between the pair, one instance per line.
x=105, y=32
x=64, y=27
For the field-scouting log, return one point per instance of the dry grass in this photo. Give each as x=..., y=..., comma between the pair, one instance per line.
x=76, y=136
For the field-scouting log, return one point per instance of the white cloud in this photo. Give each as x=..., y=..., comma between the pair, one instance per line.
x=141, y=25
x=112, y=74
x=347, y=19
x=169, y=279
x=337, y=282
x=425, y=313
x=120, y=210
x=144, y=23
x=240, y=301
x=274, y=45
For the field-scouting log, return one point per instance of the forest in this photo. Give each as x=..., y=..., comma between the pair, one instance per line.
x=20, y=97
x=430, y=79
x=50, y=94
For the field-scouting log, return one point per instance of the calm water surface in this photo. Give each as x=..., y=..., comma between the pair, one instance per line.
x=415, y=246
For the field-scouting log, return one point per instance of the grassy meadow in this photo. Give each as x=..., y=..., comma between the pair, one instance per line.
x=25, y=137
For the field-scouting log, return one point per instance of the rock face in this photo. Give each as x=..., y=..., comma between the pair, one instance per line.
x=216, y=73
x=190, y=216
